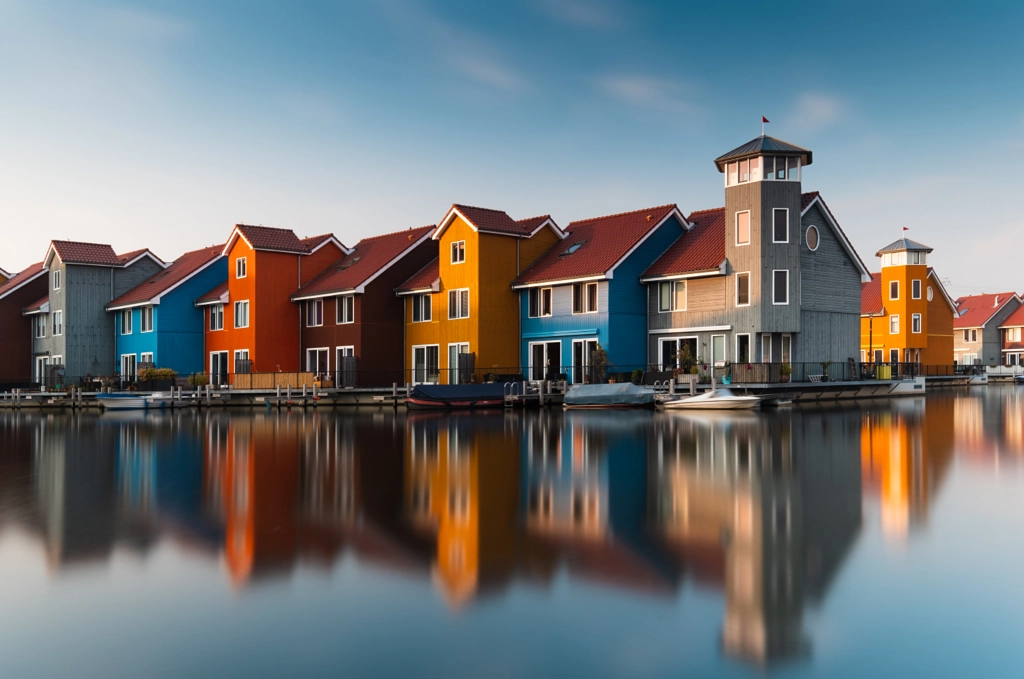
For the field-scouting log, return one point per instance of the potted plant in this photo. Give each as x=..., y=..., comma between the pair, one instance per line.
x=638, y=376
x=786, y=372
x=198, y=380
x=825, y=365
x=599, y=363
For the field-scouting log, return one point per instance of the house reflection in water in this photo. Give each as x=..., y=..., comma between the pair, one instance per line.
x=767, y=507
x=903, y=461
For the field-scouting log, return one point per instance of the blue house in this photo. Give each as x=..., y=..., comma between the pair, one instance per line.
x=157, y=323
x=585, y=291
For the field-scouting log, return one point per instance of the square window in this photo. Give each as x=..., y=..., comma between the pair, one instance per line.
x=539, y=302
x=458, y=252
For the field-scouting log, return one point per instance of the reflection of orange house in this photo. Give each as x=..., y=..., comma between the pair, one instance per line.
x=462, y=483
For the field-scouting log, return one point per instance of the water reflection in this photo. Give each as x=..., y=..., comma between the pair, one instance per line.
x=762, y=509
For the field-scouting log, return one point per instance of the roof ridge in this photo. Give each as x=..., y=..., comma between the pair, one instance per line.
x=477, y=207
x=261, y=226
x=202, y=249
x=623, y=214
x=526, y=219
x=320, y=235
x=81, y=242
x=710, y=209
x=395, y=233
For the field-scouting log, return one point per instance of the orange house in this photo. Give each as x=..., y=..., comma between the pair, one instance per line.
x=251, y=325
x=463, y=303
x=906, y=313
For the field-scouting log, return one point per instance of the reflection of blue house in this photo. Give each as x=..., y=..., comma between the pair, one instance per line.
x=586, y=291
x=157, y=323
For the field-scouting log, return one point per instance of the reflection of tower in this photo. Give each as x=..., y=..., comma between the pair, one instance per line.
x=462, y=483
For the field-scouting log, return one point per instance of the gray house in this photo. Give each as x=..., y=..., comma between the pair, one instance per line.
x=977, y=339
x=71, y=326
x=769, y=278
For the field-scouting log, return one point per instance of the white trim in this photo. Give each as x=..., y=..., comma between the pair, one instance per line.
x=573, y=367
x=338, y=303
x=468, y=303
x=540, y=305
x=244, y=267
x=786, y=210
x=155, y=300
x=131, y=322
x=766, y=336
x=6, y=275
x=135, y=366
x=897, y=297
x=920, y=288
x=816, y=231
x=412, y=363
x=362, y=286
x=865, y=275
x=583, y=299
x=736, y=227
x=736, y=286
x=897, y=317
x=209, y=319
x=41, y=272
x=152, y=319
x=703, y=328
x=324, y=349
x=736, y=342
x=306, y=314
x=451, y=252
x=144, y=253
x=454, y=211
x=725, y=350
x=785, y=336
x=44, y=308
x=789, y=293
x=567, y=281
x=234, y=314
x=416, y=299
x=225, y=298
x=672, y=296
x=920, y=324
x=332, y=239
x=676, y=338
x=720, y=271
x=610, y=273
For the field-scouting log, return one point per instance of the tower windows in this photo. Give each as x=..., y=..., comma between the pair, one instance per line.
x=894, y=324
x=743, y=289
x=894, y=289
x=743, y=228
x=915, y=323
x=915, y=289
x=780, y=287
x=780, y=225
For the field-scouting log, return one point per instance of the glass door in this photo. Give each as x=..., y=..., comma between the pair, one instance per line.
x=453, y=361
x=581, y=351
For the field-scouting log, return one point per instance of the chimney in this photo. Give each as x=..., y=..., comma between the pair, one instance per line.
x=997, y=301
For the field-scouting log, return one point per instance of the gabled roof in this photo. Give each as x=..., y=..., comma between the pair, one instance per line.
x=5, y=274
x=485, y=220
x=180, y=270
x=701, y=249
x=267, y=238
x=871, y=297
x=219, y=295
x=314, y=243
x=129, y=258
x=368, y=259
x=904, y=244
x=809, y=199
x=764, y=145
x=74, y=252
x=424, y=280
x=1014, y=320
x=594, y=247
x=39, y=306
x=975, y=311
x=23, y=277
x=942, y=289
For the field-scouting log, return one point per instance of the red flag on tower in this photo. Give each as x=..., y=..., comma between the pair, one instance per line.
x=764, y=120
x=906, y=229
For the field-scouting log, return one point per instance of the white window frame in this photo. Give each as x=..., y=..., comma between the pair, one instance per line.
x=453, y=370
x=58, y=323
x=57, y=360
x=780, y=209
x=892, y=318
x=134, y=366
x=737, y=286
x=126, y=328
x=315, y=307
x=458, y=252
x=583, y=288
x=750, y=347
x=725, y=350
x=896, y=353
x=672, y=296
x=241, y=304
x=461, y=306
x=916, y=322
x=582, y=368
x=144, y=354
x=676, y=339
x=423, y=302
x=787, y=348
x=766, y=336
x=142, y=318
x=56, y=280
x=540, y=293
x=216, y=311
x=345, y=310
x=241, y=268
x=974, y=335
x=817, y=236
x=39, y=326
x=341, y=352
x=897, y=284
x=426, y=374
x=915, y=288
x=750, y=229
x=326, y=350
x=775, y=302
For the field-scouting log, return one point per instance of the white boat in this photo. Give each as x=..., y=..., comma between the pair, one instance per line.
x=716, y=399
x=132, y=402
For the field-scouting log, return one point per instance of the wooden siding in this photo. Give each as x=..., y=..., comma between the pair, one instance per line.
x=939, y=329
x=563, y=325
x=179, y=323
x=275, y=318
x=16, y=330
x=315, y=264
x=826, y=336
x=706, y=304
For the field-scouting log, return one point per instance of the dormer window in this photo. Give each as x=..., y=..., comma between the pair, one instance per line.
x=572, y=248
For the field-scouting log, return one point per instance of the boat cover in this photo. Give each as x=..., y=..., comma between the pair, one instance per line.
x=458, y=392
x=626, y=394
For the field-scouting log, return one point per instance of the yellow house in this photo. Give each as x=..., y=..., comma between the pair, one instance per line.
x=463, y=303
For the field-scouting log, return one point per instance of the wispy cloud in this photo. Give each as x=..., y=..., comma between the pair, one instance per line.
x=594, y=14
x=651, y=93
x=814, y=112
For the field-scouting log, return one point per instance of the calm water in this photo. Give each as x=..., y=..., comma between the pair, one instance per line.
x=882, y=539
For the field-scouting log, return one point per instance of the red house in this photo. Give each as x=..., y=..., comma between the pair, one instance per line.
x=20, y=291
x=351, y=318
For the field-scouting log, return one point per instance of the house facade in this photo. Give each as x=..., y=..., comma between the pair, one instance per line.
x=19, y=291
x=585, y=292
x=5, y=276
x=156, y=323
x=70, y=326
x=464, y=303
x=352, y=321
x=1012, y=330
x=906, y=313
x=977, y=337
x=250, y=323
x=769, y=278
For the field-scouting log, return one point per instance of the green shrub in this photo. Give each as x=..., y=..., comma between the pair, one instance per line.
x=148, y=374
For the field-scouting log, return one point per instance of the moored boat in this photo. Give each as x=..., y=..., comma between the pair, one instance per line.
x=626, y=395
x=456, y=396
x=122, y=401
x=716, y=399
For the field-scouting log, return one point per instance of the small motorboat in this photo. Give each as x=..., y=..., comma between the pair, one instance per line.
x=134, y=402
x=626, y=395
x=716, y=399
x=456, y=396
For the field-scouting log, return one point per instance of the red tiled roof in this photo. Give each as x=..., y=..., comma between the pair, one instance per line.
x=38, y=304
x=213, y=295
x=368, y=257
x=975, y=311
x=269, y=238
x=871, y=296
x=496, y=221
x=1014, y=320
x=601, y=242
x=313, y=242
x=422, y=279
x=178, y=271
x=20, y=278
x=73, y=252
x=129, y=256
x=530, y=224
x=702, y=248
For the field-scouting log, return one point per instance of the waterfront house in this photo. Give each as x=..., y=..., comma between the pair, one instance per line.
x=906, y=313
x=21, y=290
x=977, y=337
x=70, y=325
x=1013, y=343
x=351, y=318
x=585, y=291
x=769, y=278
x=156, y=323
x=463, y=303
x=250, y=323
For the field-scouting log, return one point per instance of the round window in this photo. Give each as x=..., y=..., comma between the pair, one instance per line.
x=930, y=293
x=812, y=237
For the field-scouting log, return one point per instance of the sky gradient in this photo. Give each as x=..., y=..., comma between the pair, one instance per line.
x=161, y=124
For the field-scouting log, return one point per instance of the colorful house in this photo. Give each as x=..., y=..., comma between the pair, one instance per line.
x=1013, y=342
x=70, y=326
x=352, y=320
x=585, y=291
x=978, y=339
x=250, y=323
x=462, y=304
x=906, y=313
x=4, y=276
x=18, y=292
x=156, y=322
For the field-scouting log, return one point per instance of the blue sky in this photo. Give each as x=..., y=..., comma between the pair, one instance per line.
x=161, y=124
